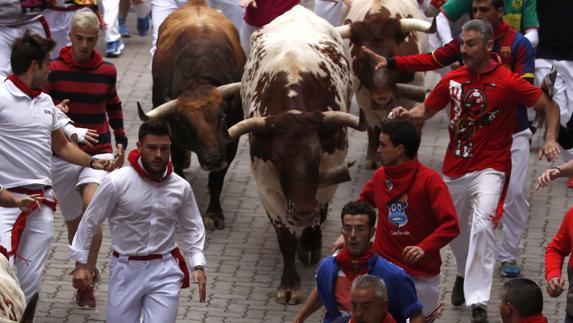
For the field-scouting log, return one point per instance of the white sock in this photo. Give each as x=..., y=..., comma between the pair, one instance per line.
x=142, y=10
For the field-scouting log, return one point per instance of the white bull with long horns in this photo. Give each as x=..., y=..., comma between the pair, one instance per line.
x=296, y=93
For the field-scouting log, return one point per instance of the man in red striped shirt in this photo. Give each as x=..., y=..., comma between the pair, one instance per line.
x=80, y=75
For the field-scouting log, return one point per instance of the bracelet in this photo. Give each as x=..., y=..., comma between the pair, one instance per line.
x=92, y=161
x=557, y=167
x=199, y=268
x=81, y=266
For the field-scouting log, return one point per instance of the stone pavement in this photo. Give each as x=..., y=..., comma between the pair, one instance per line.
x=244, y=262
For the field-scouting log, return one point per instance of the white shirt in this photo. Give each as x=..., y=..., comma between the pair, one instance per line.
x=142, y=217
x=26, y=127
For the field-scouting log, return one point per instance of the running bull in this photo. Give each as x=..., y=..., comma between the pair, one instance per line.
x=197, y=60
x=296, y=92
x=389, y=28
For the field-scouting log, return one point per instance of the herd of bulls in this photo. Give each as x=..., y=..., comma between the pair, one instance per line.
x=292, y=96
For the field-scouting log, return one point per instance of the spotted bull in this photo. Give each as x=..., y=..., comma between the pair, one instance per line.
x=198, y=57
x=389, y=28
x=296, y=91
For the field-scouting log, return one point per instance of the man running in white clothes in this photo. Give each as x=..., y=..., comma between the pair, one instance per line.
x=144, y=203
x=29, y=132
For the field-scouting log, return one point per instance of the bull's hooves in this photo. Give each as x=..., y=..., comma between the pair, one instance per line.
x=282, y=296
x=209, y=223
x=213, y=221
x=296, y=297
x=308, y=257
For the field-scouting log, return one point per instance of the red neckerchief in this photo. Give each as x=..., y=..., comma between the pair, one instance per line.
x=353, y=266
x=32, y=93
x=134, y=161
x=4, y=251
x=387, y=318
x=399, y=179
x=501, y=29
x=95, y=62
x=539, y=318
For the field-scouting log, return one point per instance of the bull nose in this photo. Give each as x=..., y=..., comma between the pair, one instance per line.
x=383, y=100
x=214, y=163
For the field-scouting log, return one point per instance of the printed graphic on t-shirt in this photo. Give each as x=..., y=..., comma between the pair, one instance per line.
x=470, y=114
x=397, y=214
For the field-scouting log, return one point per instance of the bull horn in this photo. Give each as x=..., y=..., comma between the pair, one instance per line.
x=345, y=119
x=335, y=176
x=411, y=92
x=244, y=127
x=414, y=24
x=159, y=112
x=229, y=89
x=344, y=31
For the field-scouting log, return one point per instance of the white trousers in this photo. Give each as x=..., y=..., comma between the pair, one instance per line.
x=7, y=36
x=329, y=10
x=60, y=23
x=428, y=291
x=67, y=178
x=110, y=10
x=160, y=9
x=476, y=196
x=516, y=206
x=148, y=289
x=563, y=90
x=34, y=244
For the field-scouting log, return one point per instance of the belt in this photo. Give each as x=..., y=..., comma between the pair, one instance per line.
x=139, y=258
x=20, y=222
x=27, y=191
x=175, y=253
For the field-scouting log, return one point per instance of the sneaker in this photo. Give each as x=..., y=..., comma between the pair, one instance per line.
x=458, y=297
x=123, y=30
x=114, y=48
x=570, y=182
x=510, y=269
x=85, y=298
x=143, y=26
x=479, y=315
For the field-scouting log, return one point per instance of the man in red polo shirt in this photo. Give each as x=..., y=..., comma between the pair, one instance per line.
x=484, y=97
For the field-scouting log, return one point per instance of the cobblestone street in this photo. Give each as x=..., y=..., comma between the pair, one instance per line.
x=244, y=264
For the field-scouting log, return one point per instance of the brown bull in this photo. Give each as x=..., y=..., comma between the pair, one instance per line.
x=389, y=28
x=197, y=59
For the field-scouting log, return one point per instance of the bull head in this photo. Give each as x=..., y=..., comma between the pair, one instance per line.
x=406, y=24
x=170, y=107
x=334, y=118
x=412, y=92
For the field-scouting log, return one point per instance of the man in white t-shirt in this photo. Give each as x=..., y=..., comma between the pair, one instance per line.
x=29, y=132
x=144, y=203
x=14, y=20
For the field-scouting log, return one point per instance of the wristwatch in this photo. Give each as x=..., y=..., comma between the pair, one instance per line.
x=92, y=162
